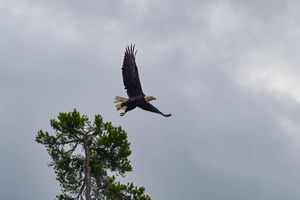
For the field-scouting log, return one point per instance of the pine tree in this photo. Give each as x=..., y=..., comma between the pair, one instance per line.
x=87, y=156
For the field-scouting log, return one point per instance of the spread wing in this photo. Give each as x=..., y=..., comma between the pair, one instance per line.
x=130, y=73
x=151, y=108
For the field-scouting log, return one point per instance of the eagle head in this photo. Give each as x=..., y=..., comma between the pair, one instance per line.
x=149, y=98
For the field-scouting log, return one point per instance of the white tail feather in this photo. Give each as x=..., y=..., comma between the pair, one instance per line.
x=120, y=99
x=120, y=107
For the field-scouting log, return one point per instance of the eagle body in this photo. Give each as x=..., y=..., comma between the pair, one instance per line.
x=133, y=102
x=133, y=87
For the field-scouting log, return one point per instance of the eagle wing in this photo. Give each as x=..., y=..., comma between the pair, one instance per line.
x=130, y=73
x=151, y=108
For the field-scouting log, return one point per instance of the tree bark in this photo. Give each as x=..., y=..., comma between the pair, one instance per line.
x=87, y=169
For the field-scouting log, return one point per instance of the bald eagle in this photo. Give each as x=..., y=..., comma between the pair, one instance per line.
x=133, y=87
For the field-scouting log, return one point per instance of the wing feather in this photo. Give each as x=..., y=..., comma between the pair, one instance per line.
x=130, y=73
x=151, y=108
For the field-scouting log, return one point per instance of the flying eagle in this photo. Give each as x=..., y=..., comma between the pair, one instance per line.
x=133, y=87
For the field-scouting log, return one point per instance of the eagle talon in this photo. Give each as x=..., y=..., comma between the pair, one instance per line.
x=122, y=114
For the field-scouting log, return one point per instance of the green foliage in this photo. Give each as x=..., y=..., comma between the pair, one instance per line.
x=108, y=150
x=120, y=191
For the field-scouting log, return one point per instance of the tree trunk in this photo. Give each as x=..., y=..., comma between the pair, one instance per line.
x=87, y=169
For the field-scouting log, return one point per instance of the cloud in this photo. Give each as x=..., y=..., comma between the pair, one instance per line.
x=38, y=19
x=224, y=18
x=270, y=73
x=226, y=70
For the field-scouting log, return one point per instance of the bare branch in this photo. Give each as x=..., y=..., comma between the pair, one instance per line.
x=73, y=148
x=81, y=189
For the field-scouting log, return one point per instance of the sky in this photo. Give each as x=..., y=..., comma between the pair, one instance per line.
x=228, y=71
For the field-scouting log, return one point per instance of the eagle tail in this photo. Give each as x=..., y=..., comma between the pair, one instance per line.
x=119, y=101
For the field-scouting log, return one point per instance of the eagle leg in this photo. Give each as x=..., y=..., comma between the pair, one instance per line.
x=122, y=114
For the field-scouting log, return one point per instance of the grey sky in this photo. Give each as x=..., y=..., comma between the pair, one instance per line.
x=228, y=71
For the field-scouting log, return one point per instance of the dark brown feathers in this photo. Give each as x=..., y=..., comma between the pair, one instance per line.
x=130, y=73
x=133, y=86
x=151, y=108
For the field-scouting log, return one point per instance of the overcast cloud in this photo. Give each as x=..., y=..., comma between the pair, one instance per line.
x=228, y=71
